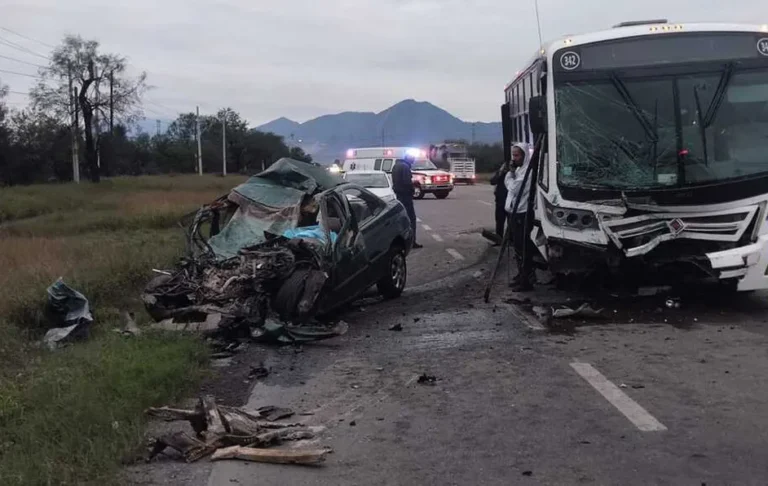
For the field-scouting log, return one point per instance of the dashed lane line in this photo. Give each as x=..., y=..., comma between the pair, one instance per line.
x=418, y=219
x=485, y=202
x=630, y=408
x=455, y=254
x=437, y=238
x=426, y=227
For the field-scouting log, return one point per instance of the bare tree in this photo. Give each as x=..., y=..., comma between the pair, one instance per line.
x=91, y=73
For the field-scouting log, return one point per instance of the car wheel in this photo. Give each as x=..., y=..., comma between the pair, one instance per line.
x=393, y=283
x=418, y=192
x=442, y=194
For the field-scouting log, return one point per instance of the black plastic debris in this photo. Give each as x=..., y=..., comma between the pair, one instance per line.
x=396, y=328
x=70, y=312
x=426, y=379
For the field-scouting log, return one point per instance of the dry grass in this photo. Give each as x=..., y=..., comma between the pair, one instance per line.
x=69, y=417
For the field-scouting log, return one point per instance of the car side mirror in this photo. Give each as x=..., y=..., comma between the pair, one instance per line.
x=537, y=113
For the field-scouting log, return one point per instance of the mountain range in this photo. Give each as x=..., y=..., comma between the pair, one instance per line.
x=407, y=123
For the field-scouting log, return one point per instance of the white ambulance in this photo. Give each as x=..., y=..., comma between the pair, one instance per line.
x=427, y=178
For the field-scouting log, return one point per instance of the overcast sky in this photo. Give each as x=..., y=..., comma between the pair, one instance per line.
x=305, y=58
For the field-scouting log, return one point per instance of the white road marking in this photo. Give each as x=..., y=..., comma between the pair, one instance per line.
x=455, y=254
x=426, y=227
x=437, y=238
x=485, y=202
x=630, y=408
x=418, y=219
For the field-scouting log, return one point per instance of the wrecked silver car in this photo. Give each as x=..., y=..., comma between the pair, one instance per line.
x=291, y=243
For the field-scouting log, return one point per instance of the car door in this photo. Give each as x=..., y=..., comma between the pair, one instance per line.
x=349, y=255
x=375, y=228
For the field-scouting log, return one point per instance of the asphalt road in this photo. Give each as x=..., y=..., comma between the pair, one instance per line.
x=643, y=395
x=450, y=229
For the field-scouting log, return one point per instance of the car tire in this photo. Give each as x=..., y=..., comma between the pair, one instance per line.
x=393, y=283
x=442, y=194
x=418, y=192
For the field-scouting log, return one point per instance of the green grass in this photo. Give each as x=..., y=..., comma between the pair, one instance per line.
x=71, y=416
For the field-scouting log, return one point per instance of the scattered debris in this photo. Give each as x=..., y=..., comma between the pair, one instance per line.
x=258, y=372
x=353, y=423
x=673, y=303
x=306, y=457
x=69, y=311
x=396, y=328
x=426, y=379
x=130, y=328
x=233, y=433
x=528, y=473
x=584, y=310
x=651, y=291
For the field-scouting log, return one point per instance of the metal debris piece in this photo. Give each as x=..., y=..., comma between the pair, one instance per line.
x=69, y=310
x=298, y=456
x=219, y=427
x=396, y=328
x=583, y=310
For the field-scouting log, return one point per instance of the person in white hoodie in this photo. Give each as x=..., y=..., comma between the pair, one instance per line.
x=524, y=247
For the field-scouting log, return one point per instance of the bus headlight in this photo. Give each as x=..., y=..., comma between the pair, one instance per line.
x=576, y=219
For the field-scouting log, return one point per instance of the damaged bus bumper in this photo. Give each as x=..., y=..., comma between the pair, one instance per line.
x=727, y=244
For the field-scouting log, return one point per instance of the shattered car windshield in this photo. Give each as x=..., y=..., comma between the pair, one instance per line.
x=626, y=133
x=373, y=181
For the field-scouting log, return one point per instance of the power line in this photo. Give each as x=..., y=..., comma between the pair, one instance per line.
x=23, y=62
x=26, y=37
x=20, y=74
x=19, y=93
x=21, y=48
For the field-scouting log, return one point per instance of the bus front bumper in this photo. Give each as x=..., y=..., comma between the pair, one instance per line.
x=746, y=264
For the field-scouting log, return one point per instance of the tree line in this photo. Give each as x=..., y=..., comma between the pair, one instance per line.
x=83, y=84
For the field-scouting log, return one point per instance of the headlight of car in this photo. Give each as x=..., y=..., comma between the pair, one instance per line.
x=576, y=219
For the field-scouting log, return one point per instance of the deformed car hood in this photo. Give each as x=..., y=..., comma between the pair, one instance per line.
x=269, y=202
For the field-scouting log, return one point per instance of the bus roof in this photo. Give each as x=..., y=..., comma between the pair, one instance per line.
x=643, y=29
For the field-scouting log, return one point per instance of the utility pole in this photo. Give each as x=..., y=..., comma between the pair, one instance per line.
x=199, y=144
x=473, y=133
x=157, y=123
x=224, y=143
x=96, y=128
x=111, y=103
x=75, y=136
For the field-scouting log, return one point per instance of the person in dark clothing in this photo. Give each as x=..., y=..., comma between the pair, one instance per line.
x=402, y=185
x=500, y=195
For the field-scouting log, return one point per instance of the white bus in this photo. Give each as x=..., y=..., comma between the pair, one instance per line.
x=655, y=150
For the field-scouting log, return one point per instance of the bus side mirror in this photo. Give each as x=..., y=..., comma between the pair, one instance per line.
x=506, y=132
x=537, y=112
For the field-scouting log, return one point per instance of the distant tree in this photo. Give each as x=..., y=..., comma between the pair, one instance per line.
x=5, y=140
x=488, y=158
x=297, y=153
x=91, y=72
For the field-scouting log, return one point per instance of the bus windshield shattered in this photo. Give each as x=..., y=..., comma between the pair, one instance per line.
x=635, y=131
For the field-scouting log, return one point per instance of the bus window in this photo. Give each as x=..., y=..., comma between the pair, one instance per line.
x=527, y=138
x=377, y=164
x=386, y=166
